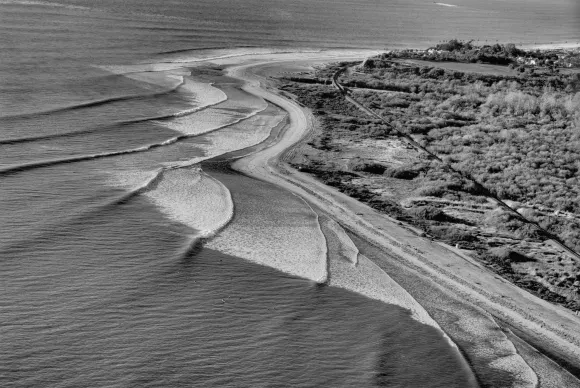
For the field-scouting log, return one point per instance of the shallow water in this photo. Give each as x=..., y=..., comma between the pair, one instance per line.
x=105, y=281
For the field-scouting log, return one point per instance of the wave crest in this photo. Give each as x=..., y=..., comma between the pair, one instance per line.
x=194, y=198
x=93, y=103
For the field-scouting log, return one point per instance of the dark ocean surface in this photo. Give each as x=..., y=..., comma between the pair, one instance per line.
x=104, y=280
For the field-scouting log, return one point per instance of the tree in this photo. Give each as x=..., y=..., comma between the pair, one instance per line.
x=511, y=50
x=452, y=45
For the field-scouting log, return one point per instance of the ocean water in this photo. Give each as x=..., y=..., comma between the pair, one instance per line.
x=129, y=258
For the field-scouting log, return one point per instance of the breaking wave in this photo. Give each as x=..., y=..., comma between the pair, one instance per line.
x=197, y=49
x=145, y=186
x=274, y=228
x=238, y=105
x=44, y=4
x=48, y=163
x=193, y=198
x=246, y=133
x=93, y=103
x=205, y=93
x=365, y=277
x=105, y=128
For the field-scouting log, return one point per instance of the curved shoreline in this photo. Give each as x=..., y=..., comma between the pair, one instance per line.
x=543, y=321
x=264, y=165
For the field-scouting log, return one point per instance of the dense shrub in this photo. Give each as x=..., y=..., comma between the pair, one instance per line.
x=402, y=173
x=516, y=135
x=452, y=234
x=387, y=206
x=372, y=168
x=453, y=45
x=508, y=256
x=510, y=222
x=431, y=191
x=430, y=213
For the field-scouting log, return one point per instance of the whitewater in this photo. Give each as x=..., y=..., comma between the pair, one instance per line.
x=153, y=234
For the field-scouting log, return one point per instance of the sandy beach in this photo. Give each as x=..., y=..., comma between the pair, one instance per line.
x=552, y=46
x=477, y=299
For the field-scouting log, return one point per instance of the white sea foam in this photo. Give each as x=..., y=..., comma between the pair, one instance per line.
x=347, y=248
x=165, y=80
x=446, y=5
x=244, y=134
x=489, y=340
x=515, y=365
x=202, y=94
x=369, y=279
x=193, y=198
x=132, y=180
x=186, y=194
x=204, y=121
x=42, y=3
x=277, y=230
x=238, y=106
x=179, y=62
x=150, y=180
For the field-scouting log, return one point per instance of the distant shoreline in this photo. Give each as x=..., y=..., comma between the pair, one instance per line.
x=551, y=46
x=523, y=46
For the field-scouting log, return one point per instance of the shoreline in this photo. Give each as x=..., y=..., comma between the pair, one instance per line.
x=523, y=46
x=542, y=321
x=551, y=46
x=265, y=165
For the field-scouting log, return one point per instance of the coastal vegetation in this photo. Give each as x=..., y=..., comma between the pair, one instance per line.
x=497, y=54
x=511, y=137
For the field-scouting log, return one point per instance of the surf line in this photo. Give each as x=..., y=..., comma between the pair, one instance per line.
x=228, y=56
x=48, y=163
x=150, y=184
x=109, y=127
x=90, y=104
x=265, y=165
x=206, y=230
